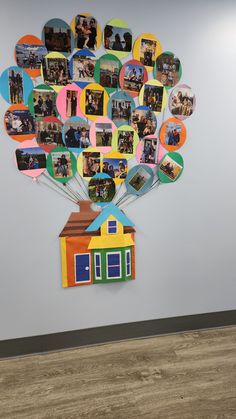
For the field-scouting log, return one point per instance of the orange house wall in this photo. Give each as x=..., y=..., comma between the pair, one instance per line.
x=76, y=245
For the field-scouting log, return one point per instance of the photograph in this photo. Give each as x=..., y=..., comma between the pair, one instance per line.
x=85, y=32
x=49, y=133
x=121, y=111
x=76, y=134
x=139, y=179
x=101, y=190
x=19, y=122
x=147, y=52
x=30, y=56
x=116, y=168
x=109, y=73
x=181, y=103
x=30, y=158
x=94, y=102
x=172, y=133
x=170, y=168
x=57, y=39
x=71, y=102
x=83, y=68
x=55, y=71
x=44, y=102
x=125, y=142
x=152, y=97
x=117, y=39
x=61, y=163
x=15, y=83
x=149, y=152
x=144, y=122
x=103, y=134
x=167, y=69
x=91, y=163
x=133, y=77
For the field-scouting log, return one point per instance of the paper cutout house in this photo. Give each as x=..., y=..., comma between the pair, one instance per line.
x=97, y=247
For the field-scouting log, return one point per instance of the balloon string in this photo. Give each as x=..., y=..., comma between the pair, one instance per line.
x=81, y=196
x=125, y=194
x=156, y=184
x=57, y=191
x=62, y=188
x=72, y=191
x=82, y=185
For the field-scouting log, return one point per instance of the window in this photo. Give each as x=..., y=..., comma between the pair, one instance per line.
x=112, y=227
x=97, y=264
x=113, y=265
x=128, y=262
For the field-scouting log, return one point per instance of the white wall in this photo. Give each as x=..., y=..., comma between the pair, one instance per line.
x=186, y=261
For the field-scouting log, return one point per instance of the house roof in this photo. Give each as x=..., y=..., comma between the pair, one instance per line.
x=110, y=209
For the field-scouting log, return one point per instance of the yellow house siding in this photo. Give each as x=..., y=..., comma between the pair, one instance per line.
x=120, y=228
x=111, y=241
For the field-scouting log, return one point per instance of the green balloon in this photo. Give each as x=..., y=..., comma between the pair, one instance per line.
x=107, y=78
x=39, y=110
x=170, y=167
x=61, y=164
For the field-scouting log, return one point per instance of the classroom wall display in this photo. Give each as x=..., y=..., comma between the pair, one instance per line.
x=86, y=125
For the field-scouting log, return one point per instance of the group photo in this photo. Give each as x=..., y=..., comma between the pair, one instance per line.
x=76, y=134
x=139, y=179
x=85, y=32
x=181, y=103
x=30, y=56
x=117, y=39
x=121, y=111
x=101, y=190
x=49, y=133
x=148, y=52
x=172, y=134
x=152, y=97
x=103, y=134
x=30, y=158
x=83, y=68
x=133, y=77
x=44, y=103
x=116, y=168
x=144, y=122
x=19, y=122
x=167, y=69
x=149, y=151
x=125, y=142
x=170, y=168
x=15, y=83
x=61, y=163
x=109, y=73
x=94, y=102
x=57, y=39
x=55, y=71
x=91, y=163
x=71, y=103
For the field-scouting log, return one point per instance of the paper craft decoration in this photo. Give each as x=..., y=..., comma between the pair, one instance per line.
x=55, y=70
x=97, y=247
x=30, y=159
x=93, y=101
x=29, y=53
x=133, y=75
x=168, y=69
x=171, y=167
x=61, y=164
x=139, y=180
x=119, y=108
x=82, y=67
x=49, y=133
x=101, y=134
x=143, y=121
x=154, y=96
x=125, y=140
x=68, y=100
x=117, y=38
x=101, y=189
x=75, y=134
x=87, y=31
x=89, y=163
x=146, y=49
x=58, y=37
x=19, y=123
x=107, y=71
x=182, y=101
x=148, y=151
x=15, y=85
x=173, y=134
x=42, y=101
x=116, y=166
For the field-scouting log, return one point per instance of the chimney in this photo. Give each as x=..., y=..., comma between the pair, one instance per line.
x=85, y=206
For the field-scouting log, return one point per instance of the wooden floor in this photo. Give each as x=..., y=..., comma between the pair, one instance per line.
x=184, y=376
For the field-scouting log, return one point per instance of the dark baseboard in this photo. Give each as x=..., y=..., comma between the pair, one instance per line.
x=99, y=335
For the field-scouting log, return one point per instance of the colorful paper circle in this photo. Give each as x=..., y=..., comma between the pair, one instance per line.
x=29, y=53
x=133, y=75
x=143, y=121
x=168, y=69
x=173, y=134
x=125, y=140
x=15, y=85
x=42, y=101
x=170, y=167
x=87, y=31
x=30, y=159
x=101, y=189
x=148, y=151
x=117, y=38
x=107, y=70
x=89, y=163
x=182, y=101
x=93, y=101
x=82, y=67
x=116, y=166
x=58, y=37
x=154, y=96
x=68, y=101
x=101, y=132
x=19, y=123
x=146, y=49
x=55, y=70
x=120, y=107
x=75, y=134
x=49, y=133
x=139, y=179
x=61, y=164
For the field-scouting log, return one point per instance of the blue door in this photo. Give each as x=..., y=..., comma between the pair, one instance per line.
x=82, y=267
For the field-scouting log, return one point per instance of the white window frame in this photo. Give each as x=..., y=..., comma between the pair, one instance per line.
x=116, y=227
x=81, y=254
x=130, y=266
x=120, y=265
x=96, y=266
